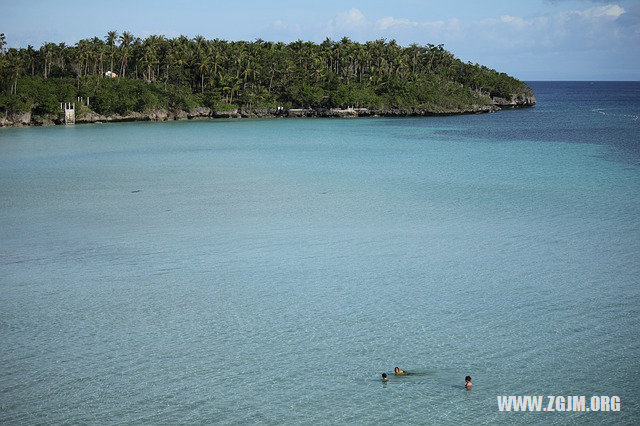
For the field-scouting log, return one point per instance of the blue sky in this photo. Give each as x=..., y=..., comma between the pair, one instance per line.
x=530, y=39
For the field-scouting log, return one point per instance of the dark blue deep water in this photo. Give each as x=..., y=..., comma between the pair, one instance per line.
x=605, y=113
x=267, y=271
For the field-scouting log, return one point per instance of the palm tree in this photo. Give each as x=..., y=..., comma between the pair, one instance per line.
x=150, y=59
x=97, y=53
x=125, y=40
x=16, y=63
x=62, y=52
x=47, y=50
x=111, y=43
x=201, y=58
x=203, y=64
x=31, y=54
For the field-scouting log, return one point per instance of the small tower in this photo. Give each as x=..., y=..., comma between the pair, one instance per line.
x=69, y=113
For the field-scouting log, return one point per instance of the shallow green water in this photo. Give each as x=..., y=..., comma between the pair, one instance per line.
x=269, y=270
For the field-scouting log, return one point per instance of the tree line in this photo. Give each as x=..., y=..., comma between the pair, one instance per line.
x=183, y=73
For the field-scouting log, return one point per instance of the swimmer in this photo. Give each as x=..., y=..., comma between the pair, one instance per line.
x=468, y=383
x=384, y=377
x=399, y=372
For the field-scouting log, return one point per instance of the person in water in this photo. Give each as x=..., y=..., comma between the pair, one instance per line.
x=399, y=372
x=468, y=383
x=384, y=377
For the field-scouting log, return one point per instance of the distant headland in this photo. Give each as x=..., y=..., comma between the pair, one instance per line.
x=126, y=78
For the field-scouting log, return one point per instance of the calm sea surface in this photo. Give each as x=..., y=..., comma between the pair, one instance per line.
x=267, y=271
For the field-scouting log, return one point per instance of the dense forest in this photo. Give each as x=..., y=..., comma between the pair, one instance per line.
x=122, y=73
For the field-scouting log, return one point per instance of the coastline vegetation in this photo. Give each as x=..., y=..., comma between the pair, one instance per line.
x=182, y=74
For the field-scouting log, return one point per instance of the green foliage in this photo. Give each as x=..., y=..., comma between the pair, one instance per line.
x=14, y=103
x=183, y=74
x=223, y=106
x=181, y=98
x=112, y=98
x=306, y=95
x=483, y=79
x=39, y=95
x=256, y=96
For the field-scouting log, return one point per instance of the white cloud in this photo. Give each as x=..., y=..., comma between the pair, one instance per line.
x=607, y=11
x=592, y=27
x=391, y=22
x=575, y=29
x=423, y=31
x=513, y=20
x=284, y=31
x=281, y=26
x=592, y=40
x=351, y=20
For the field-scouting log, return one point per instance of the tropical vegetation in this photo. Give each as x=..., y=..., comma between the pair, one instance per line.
x=183, y=73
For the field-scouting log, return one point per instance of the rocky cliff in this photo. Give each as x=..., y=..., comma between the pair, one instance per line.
x=497, y=103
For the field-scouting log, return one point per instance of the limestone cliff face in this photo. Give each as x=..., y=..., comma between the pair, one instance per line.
x=516, y=100
x=526, y=99
x=15, y=120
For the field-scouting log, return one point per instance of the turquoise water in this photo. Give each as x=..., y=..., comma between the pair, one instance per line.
x=267, y=271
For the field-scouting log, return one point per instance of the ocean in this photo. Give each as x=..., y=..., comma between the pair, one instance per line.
x=268, y=271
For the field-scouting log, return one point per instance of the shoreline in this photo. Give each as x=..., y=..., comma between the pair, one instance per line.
x=26, y=119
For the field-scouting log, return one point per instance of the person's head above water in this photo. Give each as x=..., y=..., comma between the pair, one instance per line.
x=468, y=383
x=398, y=371
x=384, y=376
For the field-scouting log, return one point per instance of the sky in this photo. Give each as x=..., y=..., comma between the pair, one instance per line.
x=529, y=39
